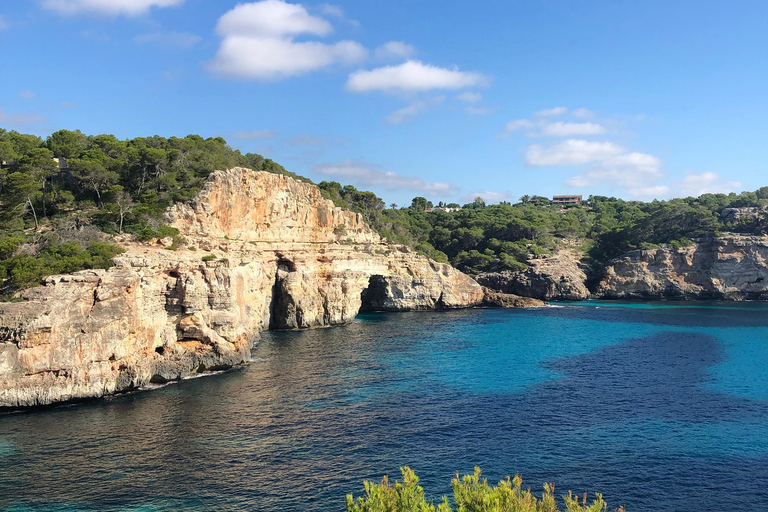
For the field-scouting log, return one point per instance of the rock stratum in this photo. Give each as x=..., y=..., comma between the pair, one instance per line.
x=277, y=255
x=558, y=277
x=731, y=267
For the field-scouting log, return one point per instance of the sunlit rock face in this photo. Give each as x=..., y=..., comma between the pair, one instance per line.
x=277, y=255
x=733, y=267
x=558, y=277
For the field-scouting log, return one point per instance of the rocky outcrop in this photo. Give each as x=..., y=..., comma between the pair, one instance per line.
x=749, y=214
x=270, y=252
x=495, y=299
x=557, y=277
x=733, y=267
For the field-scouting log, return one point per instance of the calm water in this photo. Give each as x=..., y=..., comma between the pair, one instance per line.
x=660, y=407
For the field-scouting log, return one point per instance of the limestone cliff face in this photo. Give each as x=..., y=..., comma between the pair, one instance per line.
x=283, y=257
x=733, y=267
x=558, y=277
x=240, y=204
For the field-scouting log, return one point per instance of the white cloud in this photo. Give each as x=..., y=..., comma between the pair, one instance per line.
x=3, y=23
x=395, y=50
x=363, y=175
x=470, y=97
x=107, y=7
x=28, y=95
x=332, y=10
x=549, y=112
x=412, y=76
x=173, y=39
x=513, y=126
x=271, y=18
x=636, y=173
x=706, y=183
x=255, y=134
x=259, y=42
x=561, y=129
x=406, y=114
x=571, y=152
x=583, y=112
x=20, y=119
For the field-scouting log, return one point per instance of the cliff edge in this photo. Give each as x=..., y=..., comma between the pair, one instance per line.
x=270, y=252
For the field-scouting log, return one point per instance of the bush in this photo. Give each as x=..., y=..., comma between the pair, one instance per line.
x=470, y=494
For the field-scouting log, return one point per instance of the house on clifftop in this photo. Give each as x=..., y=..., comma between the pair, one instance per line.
x=567, y=199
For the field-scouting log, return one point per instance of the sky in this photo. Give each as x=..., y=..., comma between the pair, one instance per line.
x=449, y=100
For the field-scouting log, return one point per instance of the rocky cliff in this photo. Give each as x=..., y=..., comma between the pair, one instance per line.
x=733, y=267
x=277, y=255
x=558, y=277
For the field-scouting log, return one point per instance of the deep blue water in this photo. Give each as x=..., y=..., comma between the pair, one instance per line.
x=661, y=407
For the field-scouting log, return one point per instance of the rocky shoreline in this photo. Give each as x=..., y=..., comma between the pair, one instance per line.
x=270, y=252
x=732, y=267
x=265, y=251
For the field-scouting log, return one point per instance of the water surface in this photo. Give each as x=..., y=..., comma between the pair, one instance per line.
x=661, y=407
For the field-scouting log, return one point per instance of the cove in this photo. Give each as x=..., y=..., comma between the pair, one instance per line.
x=658, y=406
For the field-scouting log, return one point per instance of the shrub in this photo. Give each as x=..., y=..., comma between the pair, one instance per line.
x=470, y=494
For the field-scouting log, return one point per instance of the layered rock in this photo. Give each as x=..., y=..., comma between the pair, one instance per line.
x=557, y=277
x=733, y=267
x=276, y=255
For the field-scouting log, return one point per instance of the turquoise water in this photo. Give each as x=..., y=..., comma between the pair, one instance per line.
x=661, y=407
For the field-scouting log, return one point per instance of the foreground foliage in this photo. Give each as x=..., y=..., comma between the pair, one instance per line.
x=470, y=494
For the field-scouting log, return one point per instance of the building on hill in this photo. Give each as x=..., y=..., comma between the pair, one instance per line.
x=567, y=199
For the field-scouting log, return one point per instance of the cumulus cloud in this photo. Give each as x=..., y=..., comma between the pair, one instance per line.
x=170, y=39
x=28, y=95
x=412, y=76
x=20, y=119
x=571, y=152
x=706, y=183
x=258, y=42
x=583, y=112
x=636, y=173
x=562, y=129
x=395, y=50
x=364, y=175
x=107, y=7
x=548, y=128
x=549, y=112
x=255, y=134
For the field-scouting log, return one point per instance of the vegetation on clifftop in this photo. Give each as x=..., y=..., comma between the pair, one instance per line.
x=479, y=237
x=470, y=494
x=62, y=197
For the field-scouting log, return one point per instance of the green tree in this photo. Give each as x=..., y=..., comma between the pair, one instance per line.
x=18, y=192
x=66, y=143
x=93, y=176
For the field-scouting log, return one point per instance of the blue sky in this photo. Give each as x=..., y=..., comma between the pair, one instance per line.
x=449, y=100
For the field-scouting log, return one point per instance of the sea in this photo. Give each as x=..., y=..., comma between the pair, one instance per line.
x=658, y=406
